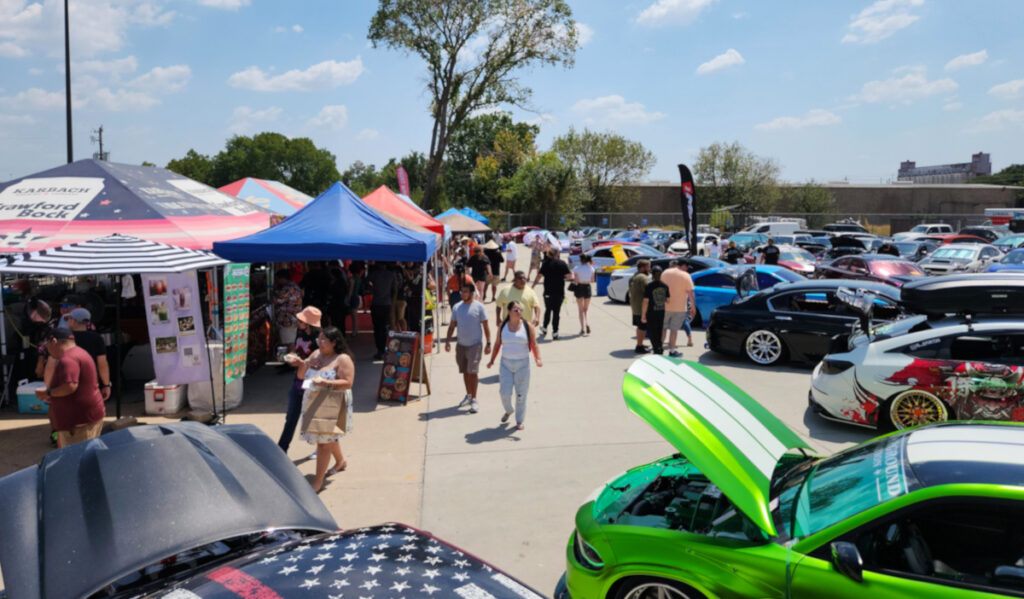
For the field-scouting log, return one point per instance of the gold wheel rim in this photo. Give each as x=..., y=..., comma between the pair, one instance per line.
x=915, y=409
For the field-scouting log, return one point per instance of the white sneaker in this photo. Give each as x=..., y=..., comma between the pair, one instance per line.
x=466, y=401
x=543, y=332
x=473, y=406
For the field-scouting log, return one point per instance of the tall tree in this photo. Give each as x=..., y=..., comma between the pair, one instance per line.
x=473, y=50
x=731, y=175
x=813, y=200
x=544, y=185
x=604, y=163
x=475, y=139
x=194, y=166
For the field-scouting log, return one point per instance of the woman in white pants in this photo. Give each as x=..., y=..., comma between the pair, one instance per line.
x=517, y=338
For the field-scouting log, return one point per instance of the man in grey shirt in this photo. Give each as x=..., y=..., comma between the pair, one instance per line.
x=382, y=280
x=471, y=319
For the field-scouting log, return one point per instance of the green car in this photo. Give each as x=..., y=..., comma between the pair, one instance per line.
x=936, y=511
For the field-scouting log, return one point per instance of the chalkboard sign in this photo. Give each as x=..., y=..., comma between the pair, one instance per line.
x=396, y=374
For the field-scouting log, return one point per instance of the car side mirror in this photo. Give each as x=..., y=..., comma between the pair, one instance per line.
x=847, y=561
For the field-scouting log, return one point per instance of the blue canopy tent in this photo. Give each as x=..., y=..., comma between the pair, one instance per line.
x=467, y=211
x=337, y=224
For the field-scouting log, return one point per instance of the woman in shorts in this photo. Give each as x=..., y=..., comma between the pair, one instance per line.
x=583, y=275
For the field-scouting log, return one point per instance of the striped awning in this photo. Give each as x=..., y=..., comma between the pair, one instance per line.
x=110, y=255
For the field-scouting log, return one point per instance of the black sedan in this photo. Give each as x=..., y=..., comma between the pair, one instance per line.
x=186, y=510
x=793, y=321
x=880, y=268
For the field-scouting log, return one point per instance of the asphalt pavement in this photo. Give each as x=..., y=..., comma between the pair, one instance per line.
x=507, y=496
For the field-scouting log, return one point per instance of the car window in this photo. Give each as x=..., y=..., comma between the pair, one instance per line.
x=715, y=280
x=765, y=280
x=959, y=542
x=934, y=348
x=814, y=302
x=843, y=263
x=989, y=252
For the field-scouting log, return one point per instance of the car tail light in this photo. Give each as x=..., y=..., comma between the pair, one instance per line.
x=830, y=366
x=585, y=554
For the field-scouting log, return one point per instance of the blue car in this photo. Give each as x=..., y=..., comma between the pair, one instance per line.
x=1013, y=261
x=716, y=287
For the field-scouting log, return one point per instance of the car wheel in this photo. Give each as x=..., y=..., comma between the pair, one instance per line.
x=916, y=407
x=763, y=347
x=649, y=587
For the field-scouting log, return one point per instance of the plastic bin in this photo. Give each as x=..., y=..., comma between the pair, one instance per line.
x=164, y=399
x=28, y=402
x=603, y=279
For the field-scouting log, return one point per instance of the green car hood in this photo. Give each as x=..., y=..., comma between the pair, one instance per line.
x=723, y=431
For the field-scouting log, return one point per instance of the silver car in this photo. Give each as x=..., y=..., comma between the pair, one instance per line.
x=960, y=257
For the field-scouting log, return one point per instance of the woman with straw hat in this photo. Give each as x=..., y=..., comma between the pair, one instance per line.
x=305, y=342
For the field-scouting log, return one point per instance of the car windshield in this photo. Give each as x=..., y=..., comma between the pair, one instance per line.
x=788, y=275
x=888, y=268
x=809, y=499
x=1014, y=257
x=906, y=248
x=1010, y=241
x=798, y=256
x=920, y=229
x=948, y=253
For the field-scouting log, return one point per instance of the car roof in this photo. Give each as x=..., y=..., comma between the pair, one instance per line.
x=832, y=284
x=984, y=454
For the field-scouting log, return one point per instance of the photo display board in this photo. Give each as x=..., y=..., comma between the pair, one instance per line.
x=399, y=357
x=176, y=328
x=236, y=320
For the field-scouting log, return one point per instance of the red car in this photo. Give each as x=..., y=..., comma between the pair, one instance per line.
x=945, y=238
x=794, y=258
x=517, y=233
x=871, y=267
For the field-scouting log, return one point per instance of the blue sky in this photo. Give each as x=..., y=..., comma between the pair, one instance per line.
x=830, y=90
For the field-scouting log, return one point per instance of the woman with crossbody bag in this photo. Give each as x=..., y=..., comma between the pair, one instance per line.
x=518, y=339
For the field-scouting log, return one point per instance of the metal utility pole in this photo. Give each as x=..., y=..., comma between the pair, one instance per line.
x=67, y=79
x=101, y=155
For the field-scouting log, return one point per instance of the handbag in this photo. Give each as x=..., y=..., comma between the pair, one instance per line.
x=326, y=409
x=572, y=287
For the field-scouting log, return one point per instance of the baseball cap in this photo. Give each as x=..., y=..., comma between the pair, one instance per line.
x=60, y=333
x=80, y=314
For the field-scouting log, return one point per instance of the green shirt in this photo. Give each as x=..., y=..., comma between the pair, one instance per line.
x=636, y=292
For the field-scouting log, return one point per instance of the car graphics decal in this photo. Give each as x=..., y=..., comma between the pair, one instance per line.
x=974, y=390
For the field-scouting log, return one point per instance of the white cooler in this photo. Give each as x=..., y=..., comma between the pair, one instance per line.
x=28, y=402
x=161, y=399
x=200, y=396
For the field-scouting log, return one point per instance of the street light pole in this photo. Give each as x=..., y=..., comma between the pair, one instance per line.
x=67, y=79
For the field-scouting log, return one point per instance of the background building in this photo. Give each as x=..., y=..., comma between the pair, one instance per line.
x=946, y=173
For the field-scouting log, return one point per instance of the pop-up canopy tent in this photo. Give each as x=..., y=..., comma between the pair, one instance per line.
x=383, y=200
x=460, y=223
x=466, y=211
x=89, y=198
x=270, y=195
x=335, y=225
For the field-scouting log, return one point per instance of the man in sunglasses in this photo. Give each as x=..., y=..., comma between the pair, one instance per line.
x=471, y=319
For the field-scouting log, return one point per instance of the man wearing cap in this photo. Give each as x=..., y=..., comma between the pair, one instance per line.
x=493, y=253
x=92, y=342
x=308, y=323
x=76, y=406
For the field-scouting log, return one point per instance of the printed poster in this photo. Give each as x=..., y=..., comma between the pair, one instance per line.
x=175, y=328
x=398, y=361
x=236, y=320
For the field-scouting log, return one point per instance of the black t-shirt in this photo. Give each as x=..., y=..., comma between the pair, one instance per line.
x=554, y=270
x=92, y=343
x=771, y=254
x=305, y=342
x=732, y=255
x=656, y=293
x=496, y=259
x=479, y=267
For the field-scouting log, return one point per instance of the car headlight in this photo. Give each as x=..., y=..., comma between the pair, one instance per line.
x=585, y=554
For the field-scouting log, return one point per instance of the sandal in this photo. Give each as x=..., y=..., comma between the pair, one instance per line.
x=520, y=427
x=689, y=343
x=338, y=468
x=505, y=417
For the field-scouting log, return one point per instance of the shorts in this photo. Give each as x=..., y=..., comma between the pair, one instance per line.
x=79, y=434
x=582, y=291
x=468, y=357
x=638, y=322
x=534, y=261
x=287, y=334
x=397, y=312
x=674, y=320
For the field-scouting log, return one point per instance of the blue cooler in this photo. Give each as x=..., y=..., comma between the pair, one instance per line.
x=28, y=403
x=603, y=279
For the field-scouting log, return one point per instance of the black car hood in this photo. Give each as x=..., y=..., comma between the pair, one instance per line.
x=90, y=513
x=847, y=242
x=390, y=560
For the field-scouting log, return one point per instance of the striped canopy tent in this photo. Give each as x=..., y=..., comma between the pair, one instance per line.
x=270, y=195
x=110, y=255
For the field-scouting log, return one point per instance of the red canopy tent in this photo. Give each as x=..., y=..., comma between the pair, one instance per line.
x=383, y=199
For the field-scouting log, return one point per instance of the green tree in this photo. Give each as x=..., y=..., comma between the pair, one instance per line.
x=473, y=50
x=194, y=166
x=811, y=199
x=473, y=139
x=496, y=168
x=604, y=164
x=1011, y=175
x=731, y=175
x=362, y=178
x=544, y=185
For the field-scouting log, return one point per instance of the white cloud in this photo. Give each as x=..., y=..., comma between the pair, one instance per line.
x=283, y=29
x=880, y=20
x=331, y=117
x=967, y=60
x=16, y=119
x=225, y=4
x=245, y=119
x=906, y=89
x=367, y=135
x=470, y=53
x=114, y=68
x=541, y=119
x=614, y=109
x=1009, y=90
x=324, y=75
x=12, y=50
x=1000, y=120
x=664, y=12
x=813, y=118
x=164, y=80
x=35, y=71
x=950, y=106
x=584, y=33
x=120, y=100
x=741, y=15
x=727, y=59
x=36, y=99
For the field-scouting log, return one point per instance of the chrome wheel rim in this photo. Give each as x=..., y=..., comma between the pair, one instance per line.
x=914, y=408
x=764, y=347
x=656, y=590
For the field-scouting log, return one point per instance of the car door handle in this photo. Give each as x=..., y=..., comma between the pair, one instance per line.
x=783, y=318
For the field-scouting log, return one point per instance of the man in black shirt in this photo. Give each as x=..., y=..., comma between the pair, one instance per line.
x=555, y=272
x=656, y=295
x=732, y=254
x=92, y=342
x=770, y=253
x=479, y=268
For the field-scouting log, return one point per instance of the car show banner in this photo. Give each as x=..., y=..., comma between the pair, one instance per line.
x=688, y=198
x=175, y=328
x=236, y=320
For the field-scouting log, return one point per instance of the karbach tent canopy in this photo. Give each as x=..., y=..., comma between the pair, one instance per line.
x=459, y=223
x=270, y=195
x=87, y=199
x=383, y=200
x=335, y=225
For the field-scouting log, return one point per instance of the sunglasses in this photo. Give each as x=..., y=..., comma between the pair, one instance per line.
x=517, y=309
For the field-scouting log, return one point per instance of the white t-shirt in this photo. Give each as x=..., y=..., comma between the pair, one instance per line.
x=584, y=273
x=515, y=345
x=511, y=251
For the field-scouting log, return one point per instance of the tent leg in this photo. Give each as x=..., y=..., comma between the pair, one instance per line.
x=117, y=344
x=213, y=333
x=7, y=371
x=423, y=326
x=224, y=352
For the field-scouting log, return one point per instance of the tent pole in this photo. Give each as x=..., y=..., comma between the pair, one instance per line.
x=117, y=342
x=209, y=356
x=423, y=326
x=224, y=347
x=3, y=346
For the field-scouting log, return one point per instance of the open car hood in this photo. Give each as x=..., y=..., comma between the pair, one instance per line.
x=847, y=242
x=723, y=431
x=96, y=511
